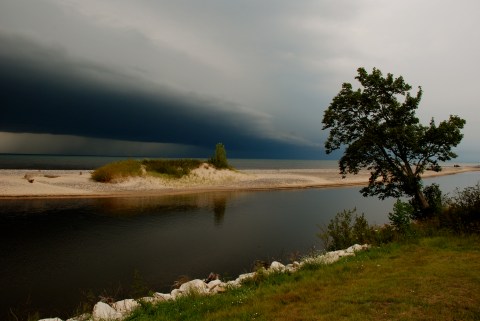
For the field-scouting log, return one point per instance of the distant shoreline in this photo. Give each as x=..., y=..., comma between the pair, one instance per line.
x=77, y=184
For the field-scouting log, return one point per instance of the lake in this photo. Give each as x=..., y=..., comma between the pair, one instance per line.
x=56, y=253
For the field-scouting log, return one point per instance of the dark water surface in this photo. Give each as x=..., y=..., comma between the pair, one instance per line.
x=56, y=252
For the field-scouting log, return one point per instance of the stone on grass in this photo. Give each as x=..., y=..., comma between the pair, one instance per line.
x=354, y=248
x=194, y=287
x=277, y=266
x=246, y=276
x=163, y=296
x=150, y=299
x=125, y=306
x=213, y=284
x=175, y=294
x=234, y=283
x=81, y=317
x=102, y=311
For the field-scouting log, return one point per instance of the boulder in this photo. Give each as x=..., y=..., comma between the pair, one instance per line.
x=150, y=299
x=102, y=311
x=195, y=286
x=354, y=248
x=234, y=283
x=213, y=284
x=277, y=266
x=219, y=289
x=81, y=317
x=245, y=276
x=175, y=294
x=51, y=319
x=125, y=306
x=163, y=296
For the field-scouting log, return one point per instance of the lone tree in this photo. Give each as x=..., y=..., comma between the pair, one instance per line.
x=219, y=159
x=382, y=134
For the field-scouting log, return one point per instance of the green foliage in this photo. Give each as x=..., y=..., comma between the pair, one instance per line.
x=346, y=229
x=462, y=213
x=401, y=217
x=117, y=170
x=176, y=168
x=434, y=198
x=219, y=159
x=383, y=135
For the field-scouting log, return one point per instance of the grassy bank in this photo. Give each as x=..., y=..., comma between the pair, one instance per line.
x=434, y=278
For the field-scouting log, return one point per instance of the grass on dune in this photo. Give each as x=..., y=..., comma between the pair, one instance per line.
x=174, y=168
x=435, y=278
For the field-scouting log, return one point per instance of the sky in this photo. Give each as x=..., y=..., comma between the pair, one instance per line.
x=173, y=78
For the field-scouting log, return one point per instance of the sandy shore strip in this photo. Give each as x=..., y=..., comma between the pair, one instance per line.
x=70, y=183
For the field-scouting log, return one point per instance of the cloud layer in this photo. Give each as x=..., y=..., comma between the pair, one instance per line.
x=254, y=75
x=46, y=91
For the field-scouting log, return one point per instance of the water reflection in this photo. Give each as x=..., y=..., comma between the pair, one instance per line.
x=16, y=209
x=53, y=250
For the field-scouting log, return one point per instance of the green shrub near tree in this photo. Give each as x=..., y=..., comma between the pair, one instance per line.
x=345, y=229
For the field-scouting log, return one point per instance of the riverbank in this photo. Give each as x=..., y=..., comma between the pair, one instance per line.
x=74, y=183
x=435, y=278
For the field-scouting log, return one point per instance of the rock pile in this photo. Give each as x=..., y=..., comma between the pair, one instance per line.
x=121, y=309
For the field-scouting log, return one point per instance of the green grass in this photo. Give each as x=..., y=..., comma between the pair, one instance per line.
x=117, y=170
x=434, y=278
x=175, y=168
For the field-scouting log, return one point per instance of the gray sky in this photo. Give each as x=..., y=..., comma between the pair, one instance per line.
x=172, y=78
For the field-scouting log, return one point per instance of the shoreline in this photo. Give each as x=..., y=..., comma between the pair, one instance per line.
x=61, y=184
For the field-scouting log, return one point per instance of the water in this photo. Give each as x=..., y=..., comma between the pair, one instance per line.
x=17, y=161
x=56, y=253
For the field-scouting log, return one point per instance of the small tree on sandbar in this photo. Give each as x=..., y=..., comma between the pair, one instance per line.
x=219, y=159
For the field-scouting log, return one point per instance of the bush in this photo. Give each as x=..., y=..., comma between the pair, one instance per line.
x=400, y=219
x=219, y=160
x=176, y=168
x=117, y=170
x=463, y=211
x=434, y=197
x=346, y=229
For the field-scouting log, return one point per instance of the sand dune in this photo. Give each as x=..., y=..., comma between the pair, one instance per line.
x=65, y=183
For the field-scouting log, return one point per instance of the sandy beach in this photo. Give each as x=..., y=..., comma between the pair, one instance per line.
x=69, y=183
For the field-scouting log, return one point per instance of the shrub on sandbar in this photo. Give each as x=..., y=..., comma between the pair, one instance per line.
x=117, y=170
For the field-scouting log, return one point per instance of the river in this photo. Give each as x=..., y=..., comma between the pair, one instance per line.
x=56, y=253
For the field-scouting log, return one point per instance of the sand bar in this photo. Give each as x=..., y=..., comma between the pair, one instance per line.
x=69, y=183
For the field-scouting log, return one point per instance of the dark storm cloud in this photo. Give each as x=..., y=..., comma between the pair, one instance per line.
x=43, y=90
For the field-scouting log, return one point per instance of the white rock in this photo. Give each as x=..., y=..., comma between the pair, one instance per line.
x=163, y=296
x=213, y=284
x=330, y=257
x=277, y=266
x=354, y=248
x=222, y=287
x=234, y=283
x=102, y=311
x=246, y=276
x=81, y=317
x=125, y=306
x=51, y=319
x=195, y=286
x=176, y=293
x=150, y=299
x=291, y=268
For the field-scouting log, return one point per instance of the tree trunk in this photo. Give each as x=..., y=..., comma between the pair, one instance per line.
x=422, y=201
